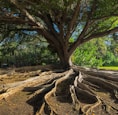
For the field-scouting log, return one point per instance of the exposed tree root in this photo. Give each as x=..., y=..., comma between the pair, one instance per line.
x=81, y=93
x=42, y=79
x=78, y=91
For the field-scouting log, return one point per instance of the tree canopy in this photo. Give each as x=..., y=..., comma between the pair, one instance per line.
x=58, y=20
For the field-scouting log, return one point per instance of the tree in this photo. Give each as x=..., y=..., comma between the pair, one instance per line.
x=91, y=54
x=26, y=52
x=78, y=90
x=97, y=52
x=57, y=20
x=111, y=57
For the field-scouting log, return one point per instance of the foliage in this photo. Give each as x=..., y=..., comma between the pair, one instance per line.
x=30, y=52
x=58, y=20
x=96, y=53
x=90, y=53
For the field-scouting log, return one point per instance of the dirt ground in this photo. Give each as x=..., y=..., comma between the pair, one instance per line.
x=16, y=105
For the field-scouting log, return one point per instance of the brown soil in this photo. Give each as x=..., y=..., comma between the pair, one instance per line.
x=16, y=105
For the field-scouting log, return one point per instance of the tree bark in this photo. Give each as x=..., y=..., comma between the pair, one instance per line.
x=65, y=59
x=64, y=54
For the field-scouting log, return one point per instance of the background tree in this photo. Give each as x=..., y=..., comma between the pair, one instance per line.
x=56, y=20
x=26, y=51
x=90, y=54
x=111, y=57
x=97, y=52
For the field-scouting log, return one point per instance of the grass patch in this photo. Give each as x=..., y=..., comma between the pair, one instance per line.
x=109, y=68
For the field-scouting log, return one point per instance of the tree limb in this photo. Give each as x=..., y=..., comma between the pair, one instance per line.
x=42, y=28
x=104, y=17
x=100, y=34
x=73, y=20
x=29, y=16
x=49, y=23
x=13, y=20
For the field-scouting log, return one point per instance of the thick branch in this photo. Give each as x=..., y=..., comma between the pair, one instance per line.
x=29, y=16
x=87, y=25
x=49, y=23
x=104, y=17
x=13, y=20
x=42, y=28
x=73, y=20
x=81, y=36
x=88, y=22
x=100, y=34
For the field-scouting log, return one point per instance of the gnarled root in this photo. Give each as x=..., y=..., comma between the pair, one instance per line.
x=80, y=93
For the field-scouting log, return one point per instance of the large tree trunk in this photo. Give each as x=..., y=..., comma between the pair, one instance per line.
x=64, y=56
x=66, y=62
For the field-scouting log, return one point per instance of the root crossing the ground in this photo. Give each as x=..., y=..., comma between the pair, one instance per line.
x=78, y=91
